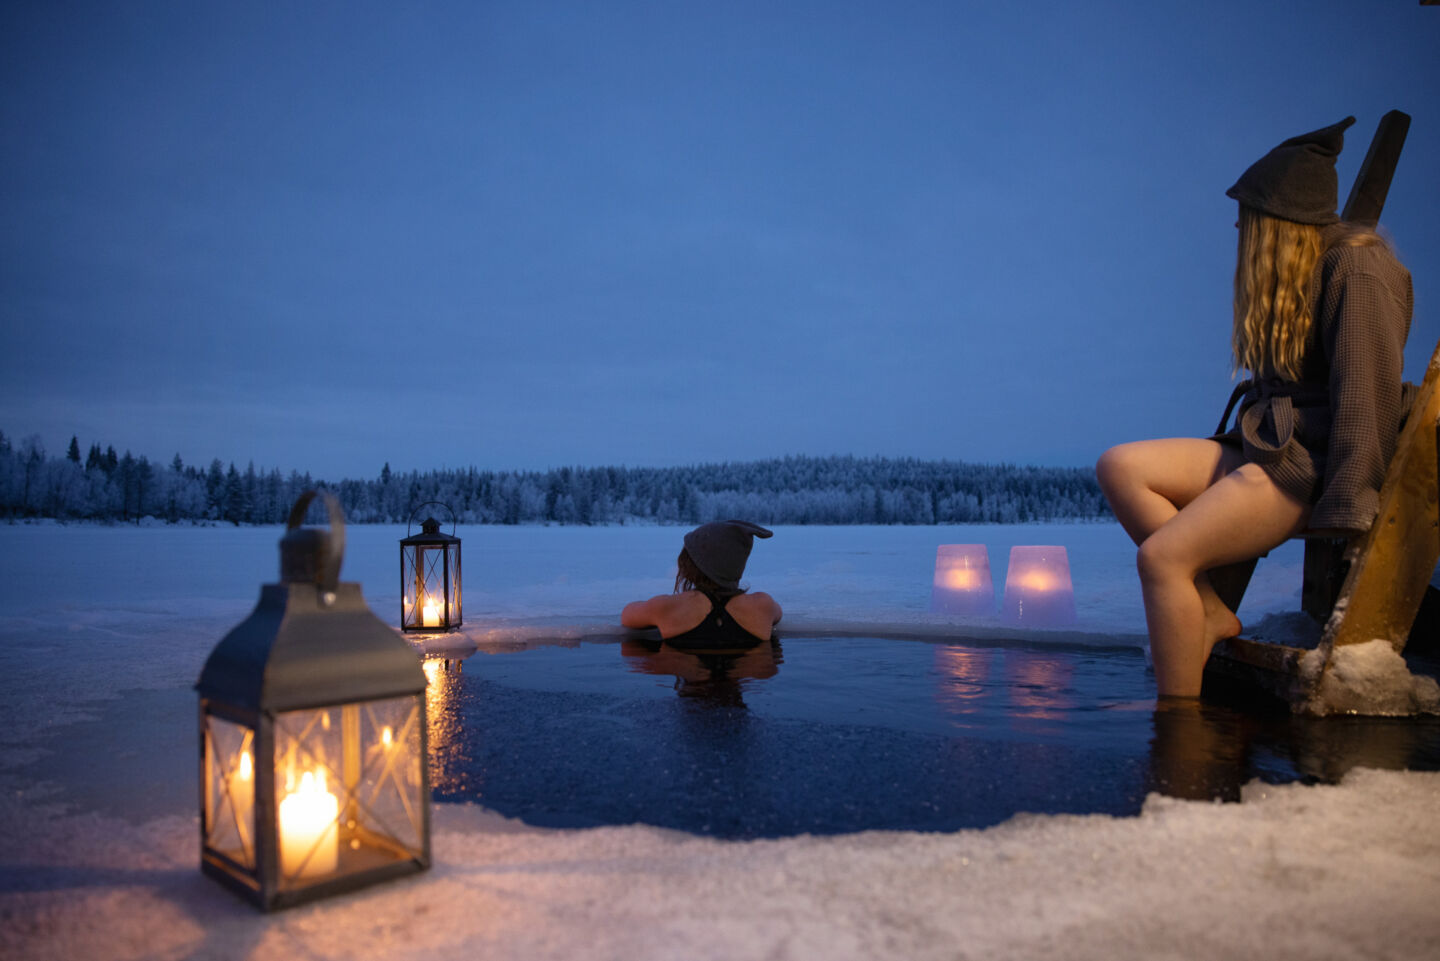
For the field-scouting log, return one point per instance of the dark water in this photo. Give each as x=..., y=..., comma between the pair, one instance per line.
x=830, y=735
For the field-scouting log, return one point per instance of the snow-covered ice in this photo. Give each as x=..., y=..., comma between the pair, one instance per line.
x=1333, y=871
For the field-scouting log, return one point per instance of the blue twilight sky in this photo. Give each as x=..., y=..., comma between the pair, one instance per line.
x=516, y=233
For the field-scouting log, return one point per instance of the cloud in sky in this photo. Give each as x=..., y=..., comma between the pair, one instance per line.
x=533, y=234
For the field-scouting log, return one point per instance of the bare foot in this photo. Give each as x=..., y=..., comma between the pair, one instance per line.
x=1220, y=621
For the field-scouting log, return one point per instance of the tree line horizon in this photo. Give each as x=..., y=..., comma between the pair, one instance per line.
x=107, y=487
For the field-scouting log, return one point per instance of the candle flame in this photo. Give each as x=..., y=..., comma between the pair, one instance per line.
x=961, y=579
x=1037, y=581
x=246, y=766
x=312, y=782
x=386, y=736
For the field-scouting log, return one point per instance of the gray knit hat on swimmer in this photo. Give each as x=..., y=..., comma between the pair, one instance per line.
x=721, y=548
x=1296, y=180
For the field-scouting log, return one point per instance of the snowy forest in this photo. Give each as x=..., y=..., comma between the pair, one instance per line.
x=103, y=486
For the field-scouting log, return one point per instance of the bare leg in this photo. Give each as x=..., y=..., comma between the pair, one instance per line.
x=1148, y=483
x=1240, y=516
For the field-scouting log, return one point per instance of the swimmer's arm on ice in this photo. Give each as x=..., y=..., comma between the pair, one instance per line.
x=775, y=612
x=642, y=614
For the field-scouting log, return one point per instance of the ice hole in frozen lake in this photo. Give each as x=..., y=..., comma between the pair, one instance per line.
x=834, y=734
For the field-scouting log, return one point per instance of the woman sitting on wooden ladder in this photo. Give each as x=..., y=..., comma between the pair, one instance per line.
x=1322, y=312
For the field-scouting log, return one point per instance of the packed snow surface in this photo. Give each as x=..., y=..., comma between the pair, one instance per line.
x=1314, y=872
x=1369, y=678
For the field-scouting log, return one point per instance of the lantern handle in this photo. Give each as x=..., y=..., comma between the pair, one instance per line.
x=454, y=521
x=330, y=574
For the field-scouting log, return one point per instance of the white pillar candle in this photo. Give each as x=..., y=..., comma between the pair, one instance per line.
x=308, y=822
x=430, y=613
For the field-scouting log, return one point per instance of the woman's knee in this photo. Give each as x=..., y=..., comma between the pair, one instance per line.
x=1116, y=468
x=1161, y=556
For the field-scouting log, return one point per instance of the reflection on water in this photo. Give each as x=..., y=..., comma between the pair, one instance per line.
x=1023, y=686
x=859, y=733
x=714, y=677
x=1039, y=685
x=1209, y=749
x=444, y=727
x=963, y=672
x=1198, y=751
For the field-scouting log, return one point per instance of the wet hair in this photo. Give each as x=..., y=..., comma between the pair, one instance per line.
x=689, y=577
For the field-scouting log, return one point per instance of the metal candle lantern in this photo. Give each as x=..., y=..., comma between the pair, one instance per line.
x=430, y=576
x=313, y=776
x=1038, y=592
x=962, y=580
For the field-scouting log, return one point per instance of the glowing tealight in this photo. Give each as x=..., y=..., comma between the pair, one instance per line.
x=961, y=579
x=1038, y=592
x=962, y=582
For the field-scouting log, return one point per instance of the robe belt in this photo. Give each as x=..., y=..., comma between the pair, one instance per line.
x=1277, y=397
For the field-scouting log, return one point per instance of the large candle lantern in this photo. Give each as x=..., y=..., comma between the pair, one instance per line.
x=430, y=575
x=962, y=580
x=1038, y=592
x=313, y=773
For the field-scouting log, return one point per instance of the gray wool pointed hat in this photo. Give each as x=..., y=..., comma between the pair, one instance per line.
x=1296, y=181
x=721, y=548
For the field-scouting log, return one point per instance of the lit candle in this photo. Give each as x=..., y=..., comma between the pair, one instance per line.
x=242, y=793
x=430, y=612
x=307, y=824
x=962, y=582
x=1038, y=591
x=962, y=579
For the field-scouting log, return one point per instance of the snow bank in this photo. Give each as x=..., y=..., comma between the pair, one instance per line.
x=1293, y=872
x=1369, y=678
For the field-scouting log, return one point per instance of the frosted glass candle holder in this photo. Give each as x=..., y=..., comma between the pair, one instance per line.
x=1038, y=592
x=962, y=580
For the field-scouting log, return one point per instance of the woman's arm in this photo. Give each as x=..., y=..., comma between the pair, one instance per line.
x=1364, y=313
x=775, y=612
x=642, y=614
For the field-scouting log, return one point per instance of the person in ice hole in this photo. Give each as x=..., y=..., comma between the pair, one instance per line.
x=1321, y=314
x=708, y=607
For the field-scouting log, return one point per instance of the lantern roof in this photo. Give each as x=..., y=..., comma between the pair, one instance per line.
x=303, y=647
x=430, y=533
x=310, y=640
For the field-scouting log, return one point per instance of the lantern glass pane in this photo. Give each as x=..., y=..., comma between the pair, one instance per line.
x=453, y=562
x=229, y=772
x=350, y=791
x=430, y=576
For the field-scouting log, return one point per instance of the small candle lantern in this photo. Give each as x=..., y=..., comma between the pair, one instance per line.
x=1038, y=592
x=430, y=575
x=313, y=776
x=962, y=580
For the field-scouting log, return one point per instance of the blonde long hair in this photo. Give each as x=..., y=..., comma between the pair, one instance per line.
x=1273, y=270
